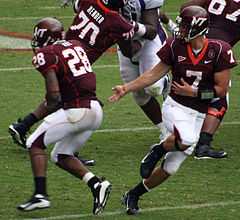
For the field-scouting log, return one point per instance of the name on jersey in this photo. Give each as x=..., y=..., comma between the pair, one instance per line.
x=95, y=14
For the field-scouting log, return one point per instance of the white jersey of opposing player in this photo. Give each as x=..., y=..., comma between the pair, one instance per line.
x=140, y=5
x=146, y=57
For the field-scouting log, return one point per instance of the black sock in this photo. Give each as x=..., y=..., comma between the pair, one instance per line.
x=153, y=110
x=139, y=189
x=29, y=120
x=92, y=182
x=40, y=185
x=205, y=139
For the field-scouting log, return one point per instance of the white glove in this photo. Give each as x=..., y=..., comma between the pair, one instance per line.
x=172, y=26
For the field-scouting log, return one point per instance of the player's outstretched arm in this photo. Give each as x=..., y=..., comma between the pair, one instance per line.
x=118, y=92
x=146, y=79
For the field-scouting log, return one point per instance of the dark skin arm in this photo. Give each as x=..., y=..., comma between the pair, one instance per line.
x=53, y=96
x=150, y=20
x=163, y=17
x=129, y=47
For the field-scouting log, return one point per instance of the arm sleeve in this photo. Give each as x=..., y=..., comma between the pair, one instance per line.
x=124, y=27
x=226, y=59
x=165, y=53
x=43, y=61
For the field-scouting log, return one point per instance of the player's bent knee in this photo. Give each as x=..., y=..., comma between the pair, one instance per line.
x=37, y=142
x=56, y=156
x=173, y=162
x=219, y=114
x=218, y=108
x=170, y=168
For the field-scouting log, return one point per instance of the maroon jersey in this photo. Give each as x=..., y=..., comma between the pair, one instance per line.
x=224, y=20
x=97, y=28
x=76, y=80
x=198, y=70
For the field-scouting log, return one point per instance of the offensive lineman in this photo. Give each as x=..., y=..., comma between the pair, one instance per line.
x=151, y=37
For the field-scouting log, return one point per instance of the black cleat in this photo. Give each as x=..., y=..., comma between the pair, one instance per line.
x=101, y=194
x=149, y=162
x=86, y=162
x=18, y=132
x=37, y=201
x=130, y=201
x=207, y=152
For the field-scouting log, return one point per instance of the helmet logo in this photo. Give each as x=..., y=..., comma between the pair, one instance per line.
x=38, y=32
x=198, y=21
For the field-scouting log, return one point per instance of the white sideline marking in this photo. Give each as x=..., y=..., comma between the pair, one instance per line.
x=155, y=209
x=13, y=42
x=31, y=68
x=134, y=129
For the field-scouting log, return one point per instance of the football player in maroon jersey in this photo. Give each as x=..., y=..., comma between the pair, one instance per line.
x=71, y=112
x=98, y=26
x=200, y=69
x=224, y=25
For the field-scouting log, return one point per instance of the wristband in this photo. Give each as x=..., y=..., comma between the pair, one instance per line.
x=171, y=26
x=140, y=29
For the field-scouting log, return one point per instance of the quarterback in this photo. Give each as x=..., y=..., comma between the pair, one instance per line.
x=200, y=69
x=224, y=24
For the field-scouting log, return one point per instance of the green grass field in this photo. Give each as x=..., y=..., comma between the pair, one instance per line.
x=201, y=190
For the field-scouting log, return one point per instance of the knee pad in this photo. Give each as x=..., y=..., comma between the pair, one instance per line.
x=172, y=161
x=141, y=97
x=218, y=108
x=56, y=154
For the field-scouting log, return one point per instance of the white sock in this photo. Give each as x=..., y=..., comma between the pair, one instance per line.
x=88, y=176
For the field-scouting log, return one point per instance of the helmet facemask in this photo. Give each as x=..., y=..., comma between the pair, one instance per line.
x=46, y=32
x=190, y=27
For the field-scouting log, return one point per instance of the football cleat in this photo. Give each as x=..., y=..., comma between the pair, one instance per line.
x=149, y=162
x=37, y=201
x=18, y=132
x=86, y=162
x=207, y=152
x=130, y=201
x=101, y=194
